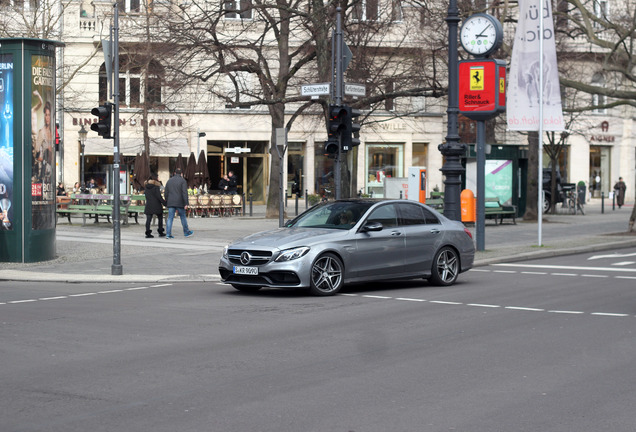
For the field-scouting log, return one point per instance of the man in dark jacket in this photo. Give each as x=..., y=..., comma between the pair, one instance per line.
x=176, y=192
x=232, y=183
x=154, y=205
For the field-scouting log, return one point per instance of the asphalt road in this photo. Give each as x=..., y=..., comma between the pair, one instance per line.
x=543, y=345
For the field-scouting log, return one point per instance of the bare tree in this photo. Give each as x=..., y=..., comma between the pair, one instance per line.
x=284, y=43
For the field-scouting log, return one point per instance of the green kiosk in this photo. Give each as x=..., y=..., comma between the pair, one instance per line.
x=27, y=150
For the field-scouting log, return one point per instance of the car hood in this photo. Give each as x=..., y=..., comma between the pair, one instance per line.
x=287, y=237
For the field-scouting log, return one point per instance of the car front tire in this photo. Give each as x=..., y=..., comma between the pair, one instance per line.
x=327, y=275
x=445, y=267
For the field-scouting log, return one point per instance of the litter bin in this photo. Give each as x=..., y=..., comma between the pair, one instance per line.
x=469, y=206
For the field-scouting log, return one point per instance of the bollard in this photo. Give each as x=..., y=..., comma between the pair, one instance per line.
x=306, y=200
x=296, y=204
x=614, y=201
x=251, y=206
x=243, y=200
x=400, y=194
x=285, y=198
x=602, y=202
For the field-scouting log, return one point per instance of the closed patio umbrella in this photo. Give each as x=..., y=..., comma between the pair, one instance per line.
x=142, y=171
x=190, y=170
x=202, y=176
x=180, y=163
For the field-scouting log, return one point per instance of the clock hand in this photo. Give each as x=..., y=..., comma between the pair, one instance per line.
x=483, y=31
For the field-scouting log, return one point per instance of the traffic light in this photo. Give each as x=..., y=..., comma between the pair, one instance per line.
x=336, y=124
x=57, y=137
x=331, y=147
x=351, y=134
x=102, y=127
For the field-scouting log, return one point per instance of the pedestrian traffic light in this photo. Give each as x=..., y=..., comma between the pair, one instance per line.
x=351, y=134
x=336, y=124
x=331, y=147
x=102, y=127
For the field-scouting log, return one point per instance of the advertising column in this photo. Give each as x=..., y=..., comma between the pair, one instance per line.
x=27, y=153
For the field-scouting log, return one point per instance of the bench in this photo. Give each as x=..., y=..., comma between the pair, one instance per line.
x=91, y=206
x=436, y=203
x=493, y=209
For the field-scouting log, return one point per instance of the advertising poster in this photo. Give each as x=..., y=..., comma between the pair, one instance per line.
x=498, y=179
x=6, y=141
x=42, y=135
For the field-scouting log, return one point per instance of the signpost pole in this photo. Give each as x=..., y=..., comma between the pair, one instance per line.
x=481, y=185
x=116, y=268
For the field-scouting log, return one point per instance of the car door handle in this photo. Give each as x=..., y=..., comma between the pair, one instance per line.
x=435, y=231
x=396, y=233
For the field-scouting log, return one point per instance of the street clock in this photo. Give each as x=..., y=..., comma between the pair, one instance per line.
x=481, y=34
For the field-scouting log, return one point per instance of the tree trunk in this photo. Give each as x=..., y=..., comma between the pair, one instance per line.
x=533, y=177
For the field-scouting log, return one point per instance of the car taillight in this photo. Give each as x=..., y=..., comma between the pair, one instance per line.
x=468, y=232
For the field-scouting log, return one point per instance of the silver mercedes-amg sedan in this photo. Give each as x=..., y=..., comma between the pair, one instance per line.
x=347, y=241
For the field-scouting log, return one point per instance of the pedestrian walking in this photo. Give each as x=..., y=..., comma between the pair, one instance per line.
x=154, y=205
x=619, y=192
x=176, y=193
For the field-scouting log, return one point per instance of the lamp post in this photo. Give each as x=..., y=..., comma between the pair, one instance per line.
x=82, y=138
x=452, y=149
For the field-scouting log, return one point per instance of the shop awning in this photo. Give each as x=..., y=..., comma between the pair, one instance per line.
x=133, y=146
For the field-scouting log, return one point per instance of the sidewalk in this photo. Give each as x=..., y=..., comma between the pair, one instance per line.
x=85, y=254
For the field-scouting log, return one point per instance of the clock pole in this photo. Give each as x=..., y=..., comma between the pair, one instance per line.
x=451, y=149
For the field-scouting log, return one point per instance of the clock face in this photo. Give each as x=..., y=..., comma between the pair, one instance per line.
x=481, y=34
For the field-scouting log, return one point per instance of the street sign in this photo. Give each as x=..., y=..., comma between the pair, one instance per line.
x=355, y=89
x=315, y=89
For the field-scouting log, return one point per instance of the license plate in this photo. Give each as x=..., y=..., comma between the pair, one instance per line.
x=245, y=270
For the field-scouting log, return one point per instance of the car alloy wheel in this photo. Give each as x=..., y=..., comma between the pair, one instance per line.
x=327, y=274
x=445, y=267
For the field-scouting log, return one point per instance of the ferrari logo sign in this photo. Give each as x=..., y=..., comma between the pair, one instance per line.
x=476, y=78
x=482, y=88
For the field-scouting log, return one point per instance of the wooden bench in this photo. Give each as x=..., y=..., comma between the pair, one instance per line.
x=436, y=203
x=91, y=206
x=493, y=209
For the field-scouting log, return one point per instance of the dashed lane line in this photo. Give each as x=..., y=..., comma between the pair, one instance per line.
x=490, y=306
x=86, y=294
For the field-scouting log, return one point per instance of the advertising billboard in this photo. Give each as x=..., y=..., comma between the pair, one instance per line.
x=6, y=141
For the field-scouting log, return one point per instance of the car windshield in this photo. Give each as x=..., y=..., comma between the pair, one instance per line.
x=337, y=215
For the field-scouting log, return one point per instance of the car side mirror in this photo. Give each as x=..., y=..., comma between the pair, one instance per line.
x=371, y=226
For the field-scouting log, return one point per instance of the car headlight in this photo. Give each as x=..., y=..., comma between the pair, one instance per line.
x=225, y=251
x=292, y=254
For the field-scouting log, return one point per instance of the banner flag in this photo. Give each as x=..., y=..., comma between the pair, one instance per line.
x=523, y=81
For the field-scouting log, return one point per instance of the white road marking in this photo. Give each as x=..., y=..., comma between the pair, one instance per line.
x=483, y=305
x=564, y=274
x=524, y=308
x=609, y=314
x=594, y=276
x=566, y=312
x=534, y=273
x=410, y=299
x=83, y=294
x=557, y=267
x=614, y=255
x=445, y=302
x=505, y=271
x=624, y=263
x=625, y=277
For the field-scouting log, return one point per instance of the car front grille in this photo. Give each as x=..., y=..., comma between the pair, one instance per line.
x=247, y=257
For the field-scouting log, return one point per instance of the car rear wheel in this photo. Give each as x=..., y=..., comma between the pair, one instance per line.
x=327, y=275
x=445, y=267
x=246, y=288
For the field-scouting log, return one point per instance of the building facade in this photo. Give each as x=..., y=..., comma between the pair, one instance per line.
x=600, y=148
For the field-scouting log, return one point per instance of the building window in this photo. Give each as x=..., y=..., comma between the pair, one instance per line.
x=383, y=160
x=237, y=9
x=134, y=80
x=396, y=10
x=389, y=102
x=599, y=100
x=366, y=10
x=129, y=6
x=601, y=11
x=25, y=5
x=238, y=88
